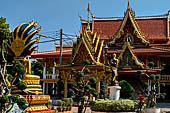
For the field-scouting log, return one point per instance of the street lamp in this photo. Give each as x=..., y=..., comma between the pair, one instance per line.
x=105, y=63
x=105, y=53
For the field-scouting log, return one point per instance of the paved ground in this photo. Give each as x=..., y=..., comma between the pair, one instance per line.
x=165, y=108
x=75, y=110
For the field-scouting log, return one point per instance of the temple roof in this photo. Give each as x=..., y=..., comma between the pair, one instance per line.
x=52, y=54
x=150, y=51
x=154, y=27
x=88, y=47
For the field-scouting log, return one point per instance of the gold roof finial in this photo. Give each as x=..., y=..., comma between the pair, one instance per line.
x=88, y=9
x=128, y=3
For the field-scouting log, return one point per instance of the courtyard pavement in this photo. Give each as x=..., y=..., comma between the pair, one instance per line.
x=165, y=108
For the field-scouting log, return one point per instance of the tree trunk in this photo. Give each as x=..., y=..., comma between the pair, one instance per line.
x=80, y=108
x=3, y=67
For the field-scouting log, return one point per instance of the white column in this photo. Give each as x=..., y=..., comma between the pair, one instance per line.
x=43, y=87
x=53, y=88
x=53, y=75
x=47, y=89
x=44, y=71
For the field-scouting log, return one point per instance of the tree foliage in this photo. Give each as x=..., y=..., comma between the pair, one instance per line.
x=82, y=89
x=37, y=68
x=4, y=30
x=126, y=89
x=18, y=68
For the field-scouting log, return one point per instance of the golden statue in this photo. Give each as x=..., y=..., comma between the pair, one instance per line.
x=27, y=65
x=113, y=63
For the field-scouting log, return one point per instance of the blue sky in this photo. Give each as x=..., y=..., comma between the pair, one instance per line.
x=55, y=14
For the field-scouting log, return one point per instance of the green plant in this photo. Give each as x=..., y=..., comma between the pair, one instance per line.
x=21, y=85
x=113, y=105
x=60, y=103
x=140, y=103
x=50, y=102
x=82, y=88
x=21, y=101
x=151, y=90
x=126, y=89
x=151, y=64
x=4, y=99
x=70, y=102
x=18, y=68
x=66, y=100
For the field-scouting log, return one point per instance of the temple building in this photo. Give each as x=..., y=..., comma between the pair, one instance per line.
x=136, y=41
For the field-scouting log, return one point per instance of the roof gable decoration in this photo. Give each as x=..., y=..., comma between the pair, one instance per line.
x=137, y=31
x=92, y=44
x=127, y=58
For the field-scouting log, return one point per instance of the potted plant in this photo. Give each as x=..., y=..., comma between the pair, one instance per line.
x=151, y=90
x=60, y=106
x=50, y=106
x=70, y=105
x=140, y=103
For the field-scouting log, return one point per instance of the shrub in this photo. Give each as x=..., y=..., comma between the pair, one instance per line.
x=4, y=99
x=126, y=89
x=21, y=85
x=113, y=105
x=60, y=103
x=21, y=101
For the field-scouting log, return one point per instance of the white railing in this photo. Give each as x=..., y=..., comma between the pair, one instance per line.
x=165, y=78
x=51, y=76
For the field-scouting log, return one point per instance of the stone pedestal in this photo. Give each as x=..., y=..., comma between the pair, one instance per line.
x=114, y=92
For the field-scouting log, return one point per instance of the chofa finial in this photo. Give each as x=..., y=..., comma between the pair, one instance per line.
x=88, y=9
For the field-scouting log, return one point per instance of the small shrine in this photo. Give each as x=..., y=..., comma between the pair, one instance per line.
x=88, y=47
x=20, y=46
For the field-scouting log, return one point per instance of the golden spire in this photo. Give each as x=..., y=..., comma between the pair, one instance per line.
x=88, y=9
x=128, y=3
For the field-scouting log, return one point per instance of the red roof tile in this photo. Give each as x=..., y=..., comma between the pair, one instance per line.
x=106, y=28
x=154, y=28
x=143, y=51
x=54, y=54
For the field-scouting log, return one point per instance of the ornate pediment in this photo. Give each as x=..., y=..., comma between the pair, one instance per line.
x=89, y=47
x=129, y=31
x=127, y=59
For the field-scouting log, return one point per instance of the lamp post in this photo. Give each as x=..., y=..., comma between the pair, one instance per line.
x=105, y=53
x=105, y=63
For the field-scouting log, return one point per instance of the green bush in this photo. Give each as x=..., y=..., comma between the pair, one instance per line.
x=4, y=99
x=21, y=101
x=66, y=100
x=151, y=64
x=21, y=85
x=126, y=89
x=113, y=105
x=80, y=74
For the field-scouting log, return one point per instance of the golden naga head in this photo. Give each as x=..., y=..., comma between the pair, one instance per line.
x=114, y=55
x=21, y=42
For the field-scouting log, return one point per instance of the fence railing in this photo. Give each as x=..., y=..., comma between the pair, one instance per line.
x=51, y=76
x=165, y=78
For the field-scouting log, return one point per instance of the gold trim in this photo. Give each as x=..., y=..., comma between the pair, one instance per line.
x=127, y=45
x=101, y=47
x=30, y=24
x=97, y=42
x=135, y=25
x=37, y=30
